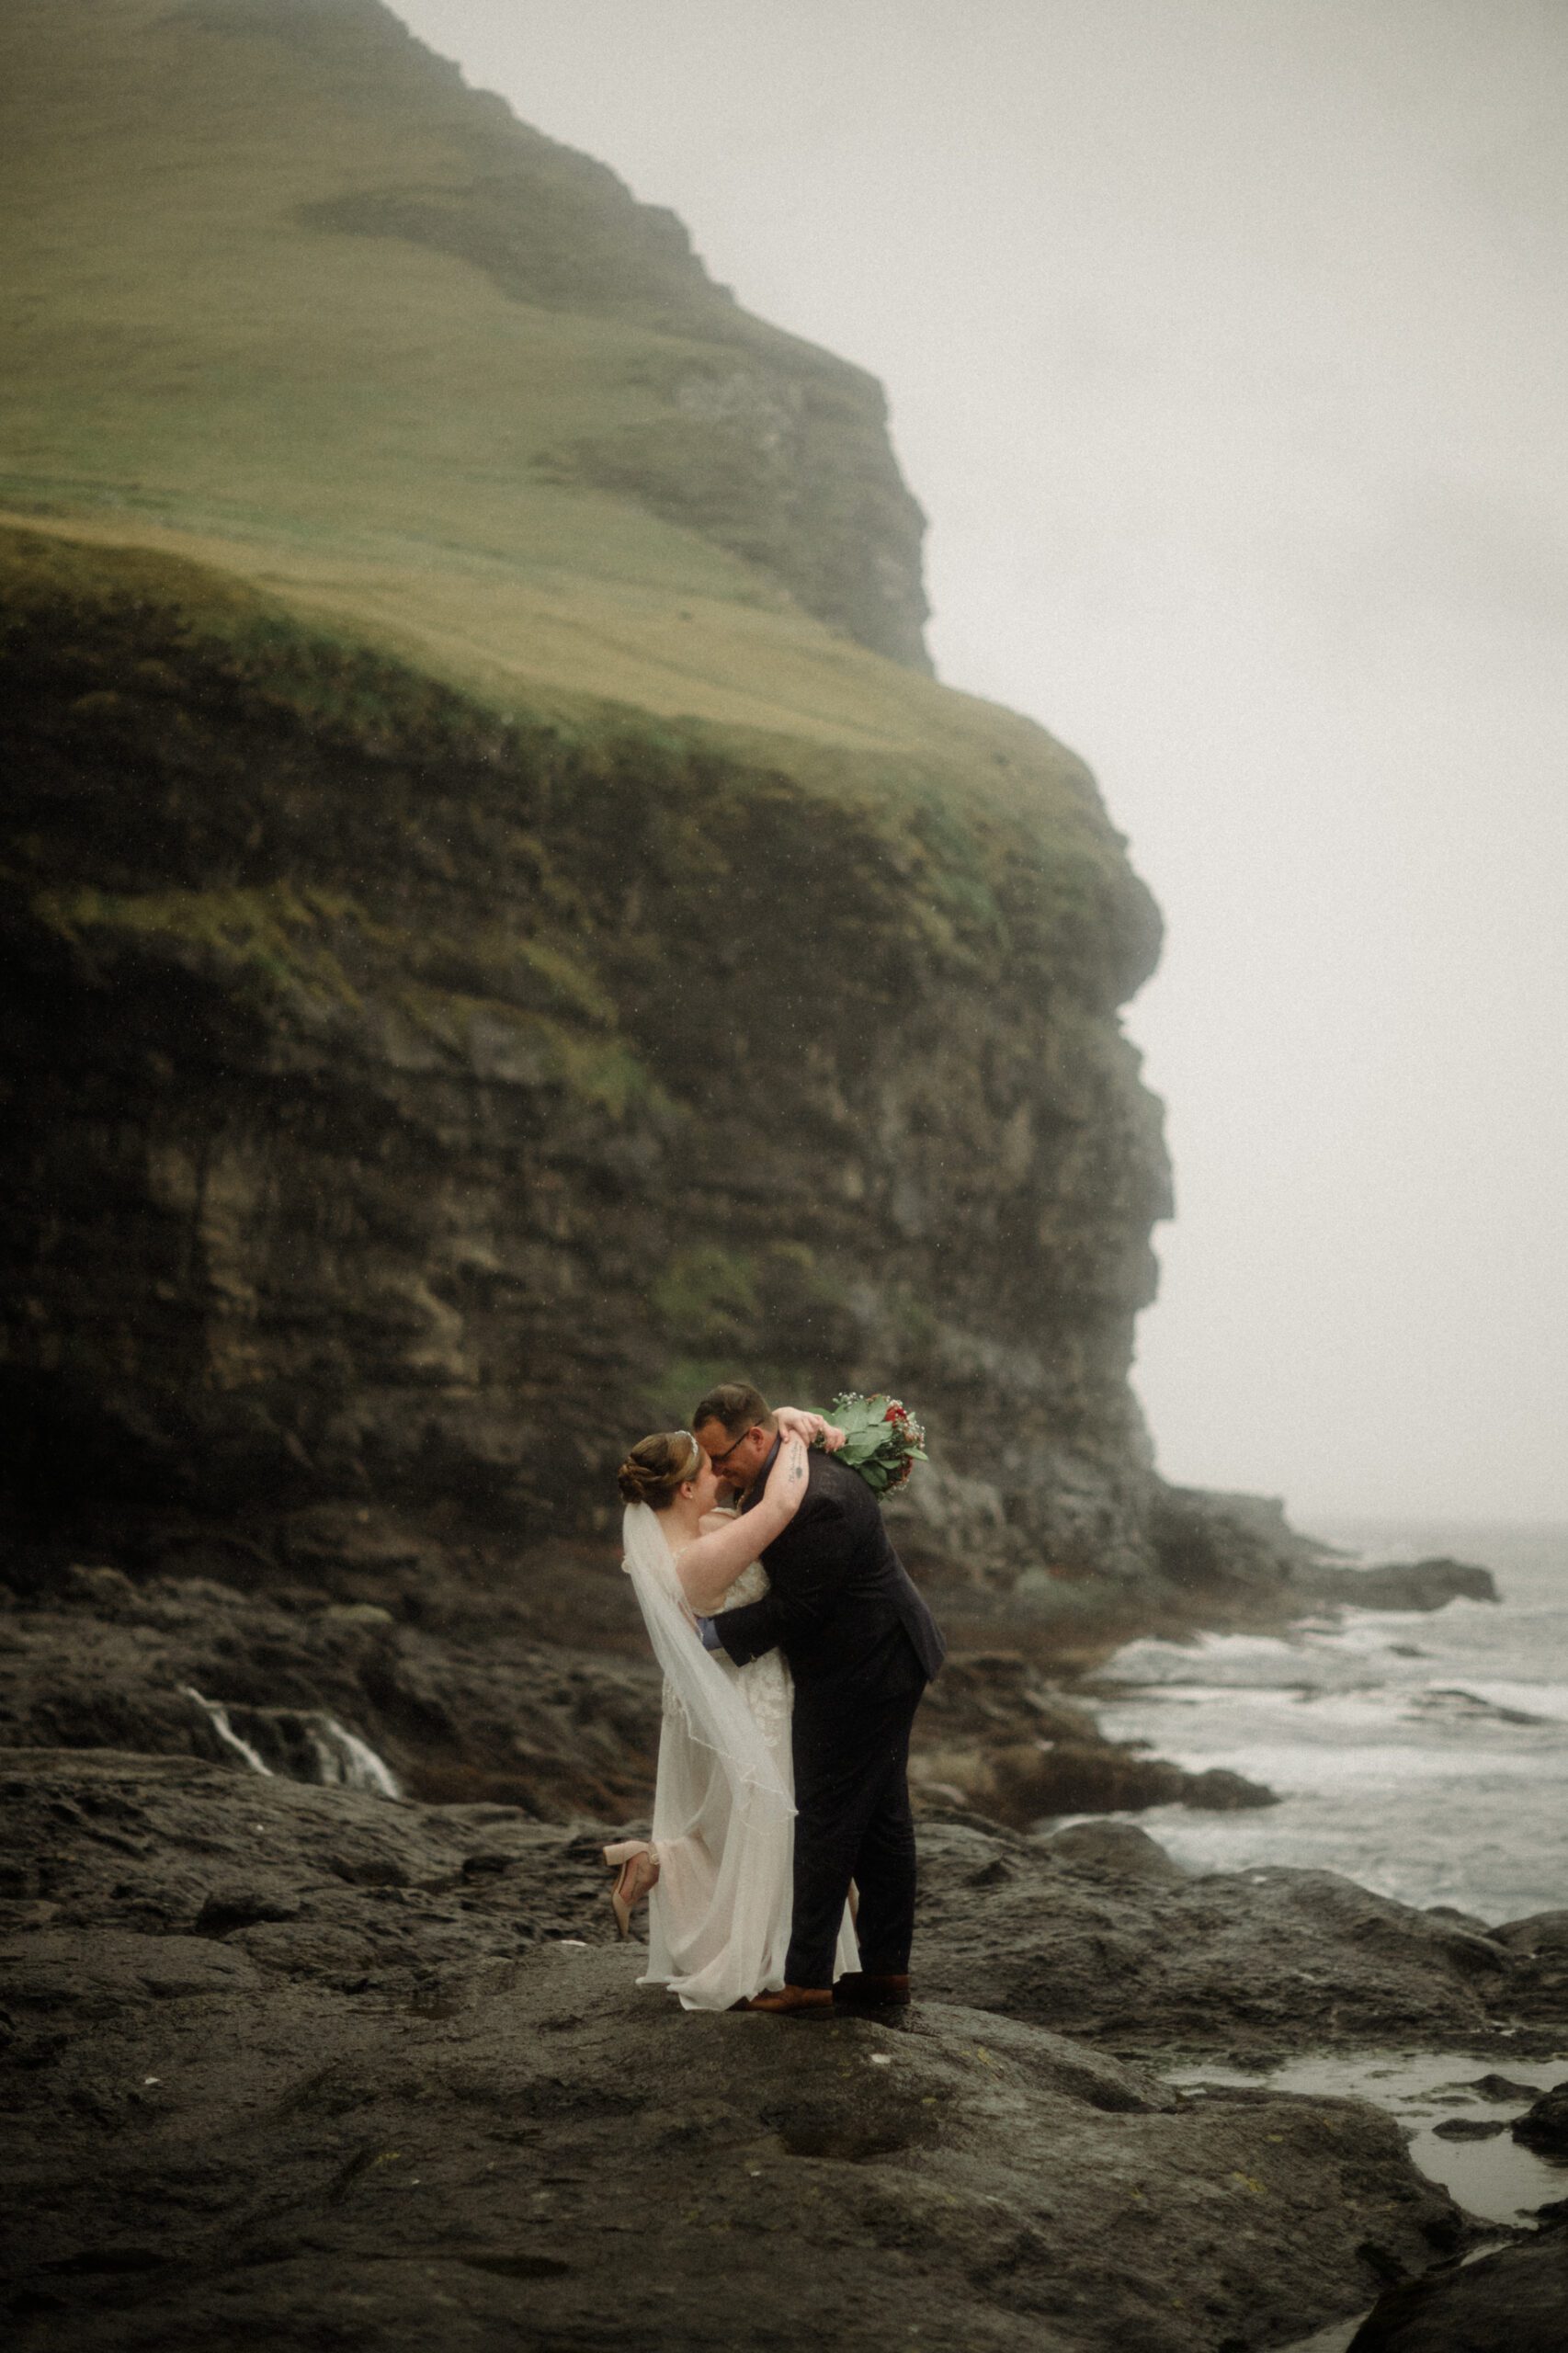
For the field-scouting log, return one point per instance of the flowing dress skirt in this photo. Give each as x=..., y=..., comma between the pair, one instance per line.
x=719, y=1918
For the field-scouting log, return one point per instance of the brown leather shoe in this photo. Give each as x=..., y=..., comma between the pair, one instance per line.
x=855, y=1990
x=794, y=2002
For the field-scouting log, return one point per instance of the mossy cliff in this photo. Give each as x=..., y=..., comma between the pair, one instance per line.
x=553, y=943
x=411, y=1105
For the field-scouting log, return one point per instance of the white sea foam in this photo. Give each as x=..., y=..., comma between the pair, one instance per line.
x=1422, y=1752
x=1543, y=1702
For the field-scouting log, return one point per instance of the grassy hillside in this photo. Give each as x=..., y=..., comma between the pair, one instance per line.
x=1054, y=897
x=287, y=298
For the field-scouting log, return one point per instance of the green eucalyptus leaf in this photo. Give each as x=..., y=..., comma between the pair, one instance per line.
x=876, y=1449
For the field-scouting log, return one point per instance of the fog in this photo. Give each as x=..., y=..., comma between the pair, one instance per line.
x=1225, y=343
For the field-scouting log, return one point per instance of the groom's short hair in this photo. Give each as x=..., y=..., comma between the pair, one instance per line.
x=736, y=1406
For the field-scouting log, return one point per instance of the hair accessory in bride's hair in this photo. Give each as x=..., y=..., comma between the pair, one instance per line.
x=653, y=1472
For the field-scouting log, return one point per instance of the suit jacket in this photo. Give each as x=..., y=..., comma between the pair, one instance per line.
x=843, y=1608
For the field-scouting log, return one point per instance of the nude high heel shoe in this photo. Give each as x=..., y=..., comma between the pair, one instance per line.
x=636, y=1864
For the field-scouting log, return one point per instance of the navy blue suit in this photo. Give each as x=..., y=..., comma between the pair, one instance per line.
x=861, y=1646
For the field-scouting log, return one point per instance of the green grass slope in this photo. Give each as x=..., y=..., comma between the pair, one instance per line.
x=1053, y=901
x=285, y=297
x=277, y=277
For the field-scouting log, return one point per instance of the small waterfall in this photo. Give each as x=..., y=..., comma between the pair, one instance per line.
x=218, y=1717
x=346, y=1761
x=299, y=1744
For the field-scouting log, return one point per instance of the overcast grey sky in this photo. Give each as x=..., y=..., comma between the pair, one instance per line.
x=1226, y=343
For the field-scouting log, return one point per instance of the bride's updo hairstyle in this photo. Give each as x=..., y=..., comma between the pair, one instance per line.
x=658, y=1467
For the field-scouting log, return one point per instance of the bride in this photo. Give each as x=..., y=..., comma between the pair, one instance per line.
x=717, y=1873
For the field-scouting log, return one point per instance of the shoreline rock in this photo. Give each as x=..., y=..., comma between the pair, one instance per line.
x=450, y=2087
x=1512, y=2301
x=328, y=1692
x=419, y=2012
x=992, y=1737
x=1544, y=2125
x=1415, y=1585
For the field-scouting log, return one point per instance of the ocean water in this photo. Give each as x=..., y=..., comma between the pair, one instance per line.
x=1423, y=1754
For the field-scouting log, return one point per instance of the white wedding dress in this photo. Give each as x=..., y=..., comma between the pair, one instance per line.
x=724, y=1803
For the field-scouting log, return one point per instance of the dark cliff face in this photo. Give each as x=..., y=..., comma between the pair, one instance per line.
x=415, y=1106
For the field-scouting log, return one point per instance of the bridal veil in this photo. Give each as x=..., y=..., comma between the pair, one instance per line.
x=723, y=1810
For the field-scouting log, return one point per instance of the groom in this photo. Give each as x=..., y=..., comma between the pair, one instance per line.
x=862, y=1646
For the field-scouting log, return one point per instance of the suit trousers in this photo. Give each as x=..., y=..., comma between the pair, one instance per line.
x=852, y=1822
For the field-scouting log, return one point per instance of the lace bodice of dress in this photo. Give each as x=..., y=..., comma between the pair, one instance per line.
x=750, y=1586
x=767, y=1681
x=770, y=1693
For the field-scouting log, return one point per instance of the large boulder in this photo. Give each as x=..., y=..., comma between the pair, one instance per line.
x=1062, y=1931
x=1544, y=2125
x=1515, y=2301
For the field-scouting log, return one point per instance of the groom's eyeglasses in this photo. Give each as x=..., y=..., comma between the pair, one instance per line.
x=717, y=1461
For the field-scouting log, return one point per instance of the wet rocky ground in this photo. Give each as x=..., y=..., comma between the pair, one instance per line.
x=292, y=2062
x=468, y=1698
x=292, y=2066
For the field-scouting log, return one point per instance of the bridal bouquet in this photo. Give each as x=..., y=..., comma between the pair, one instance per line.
x=882, y=1439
